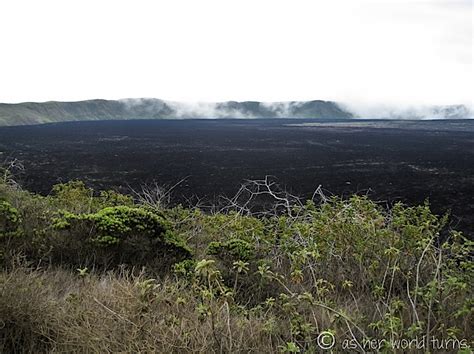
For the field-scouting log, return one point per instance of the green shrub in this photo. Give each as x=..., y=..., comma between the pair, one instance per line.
x=73, y=196
x=185, y=268
x=118, y=235
x=232, y=250
x=76, y=197
x=232, y=226
x=10, y=230
x=9, y=219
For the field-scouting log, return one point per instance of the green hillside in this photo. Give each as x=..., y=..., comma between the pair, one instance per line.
x=48, y=112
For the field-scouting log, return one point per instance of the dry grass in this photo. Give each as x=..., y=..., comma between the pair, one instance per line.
x=59, y=311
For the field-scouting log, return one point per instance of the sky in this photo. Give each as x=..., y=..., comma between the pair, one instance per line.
x=360, y=52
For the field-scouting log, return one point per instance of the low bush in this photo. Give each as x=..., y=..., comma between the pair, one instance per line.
x=117, y=235
x=9, y=219
x=72, y=227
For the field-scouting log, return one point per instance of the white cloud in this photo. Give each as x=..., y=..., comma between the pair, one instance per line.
x=364, y=52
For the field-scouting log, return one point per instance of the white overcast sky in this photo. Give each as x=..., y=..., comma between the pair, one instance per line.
x=374, y=52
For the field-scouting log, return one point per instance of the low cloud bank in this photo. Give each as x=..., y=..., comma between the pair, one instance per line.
x=410, y=111
x=234, y=109
x=295, y=109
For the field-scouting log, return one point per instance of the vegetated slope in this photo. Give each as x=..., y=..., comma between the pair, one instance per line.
x=47, y=112
x=229, y=281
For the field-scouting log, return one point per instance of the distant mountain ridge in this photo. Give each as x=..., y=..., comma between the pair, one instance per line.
x=152, y=108
x=47, y=112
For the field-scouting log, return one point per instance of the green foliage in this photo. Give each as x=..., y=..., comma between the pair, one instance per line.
x=347, y=265
x=73, y=196
x=112, y=198
x=122, y=234
x=185, y=268
x=232, y=250
x=9, y=219
x=119, y=222
x=76, y=197
x=232, y=226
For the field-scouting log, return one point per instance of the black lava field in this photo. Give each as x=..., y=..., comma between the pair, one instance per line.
x=407, y=161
